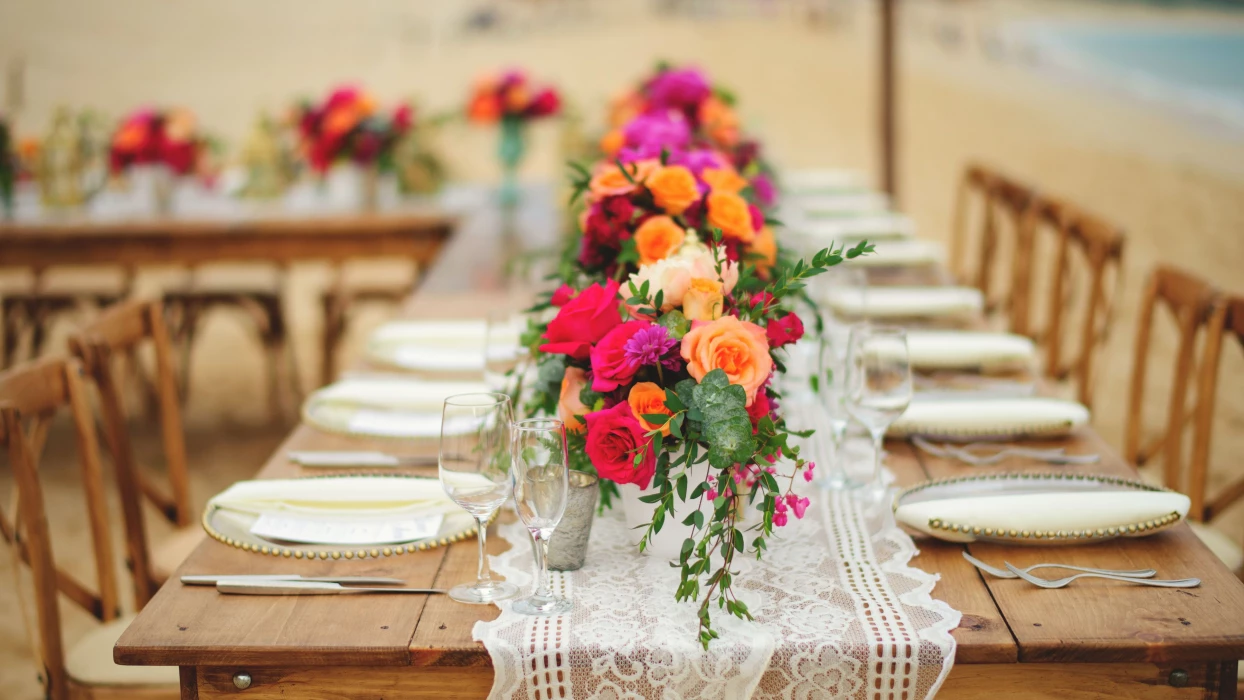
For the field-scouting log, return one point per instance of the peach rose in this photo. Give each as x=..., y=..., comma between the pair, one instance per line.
x=739, y=348
x=729, y=213
x=609, y=180
x=725, y=179
x=612, y=142
x=673, y=188
x=648, y=398
x=764, y=245
x=658, y=238
x=703, y=300
x=673, y=275
x=569, y=407
x=719, y=121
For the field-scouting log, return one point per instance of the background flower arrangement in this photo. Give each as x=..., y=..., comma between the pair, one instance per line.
x=511, y=100
x=665, y=337
x=158, y=137
x=347, y=126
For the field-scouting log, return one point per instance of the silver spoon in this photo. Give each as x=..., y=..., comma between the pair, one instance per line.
x=1003, y=573
x=1061, y=582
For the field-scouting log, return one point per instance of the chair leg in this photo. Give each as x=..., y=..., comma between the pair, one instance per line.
x=334, y=328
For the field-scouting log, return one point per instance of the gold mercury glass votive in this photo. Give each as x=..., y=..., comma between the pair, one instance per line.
x=568, y=546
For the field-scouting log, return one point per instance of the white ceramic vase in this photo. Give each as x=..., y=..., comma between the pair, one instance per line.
x=666, y=544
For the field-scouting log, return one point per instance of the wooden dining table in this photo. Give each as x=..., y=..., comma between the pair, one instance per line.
x=1094, y=639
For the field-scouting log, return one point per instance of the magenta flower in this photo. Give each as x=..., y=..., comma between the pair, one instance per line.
x=797, y=504
x=807, y=471
x=678, y=89
x=650, y=132
x=651, y=345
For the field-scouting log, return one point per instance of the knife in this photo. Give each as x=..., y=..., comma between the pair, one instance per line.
x=332, y=458
x=304, y=587
x=213, y=579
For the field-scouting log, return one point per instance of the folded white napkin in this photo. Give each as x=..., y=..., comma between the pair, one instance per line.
x=939, y=350
x=870, y=226
x=464, y=332
x=906, y=302
x=902, y=252
x=821, y=181
x=989, y=418
x=445, y=346
x=395, y=394
x=830, y=206
x=338, y=496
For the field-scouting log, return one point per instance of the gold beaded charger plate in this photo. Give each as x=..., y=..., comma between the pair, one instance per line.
x=1038, y=508
x=233, y=527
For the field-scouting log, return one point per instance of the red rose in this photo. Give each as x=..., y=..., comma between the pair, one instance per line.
x=403, y=117
x=562, y=296
x=611, y=365
x=614, y=437
x=545, y=103
x=762, y=299
x=785, y=330
x=759, y=408
x=758, y=217
x=583, y=321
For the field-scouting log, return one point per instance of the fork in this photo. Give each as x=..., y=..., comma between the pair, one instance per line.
x=1061, y=582
x=1003, y=573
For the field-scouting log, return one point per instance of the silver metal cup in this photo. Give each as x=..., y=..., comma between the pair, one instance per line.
x=568, y=546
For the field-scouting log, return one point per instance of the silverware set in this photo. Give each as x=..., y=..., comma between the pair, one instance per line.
x=983, y=454
x=294, y=584
x=1142, y=577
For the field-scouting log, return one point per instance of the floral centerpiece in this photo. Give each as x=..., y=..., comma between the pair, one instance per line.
x=661, y=355
x=706, y=112
x=511, y=100
x=347, y=126
x=154, y=137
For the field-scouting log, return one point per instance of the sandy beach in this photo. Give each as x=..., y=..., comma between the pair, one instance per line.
x=808, y=89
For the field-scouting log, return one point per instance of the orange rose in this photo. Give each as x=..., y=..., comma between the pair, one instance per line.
x=739, y=348
x=612, y=142
x=341, y=120
x=129, y=137
x=765, y=245
x=569, y=407
x=484, y=108
x=703, y=300
x=517, y=98
x=725, y=179
x=719, y=121
x=658, y=238
x=624, y=107
x=729, y=213
x=673, y=188
x=648, y=398
x=609, y=180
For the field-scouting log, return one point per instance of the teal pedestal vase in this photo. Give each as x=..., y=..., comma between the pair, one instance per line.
x=510, y=150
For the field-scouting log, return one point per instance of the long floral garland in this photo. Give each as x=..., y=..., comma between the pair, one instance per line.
x=662, y=352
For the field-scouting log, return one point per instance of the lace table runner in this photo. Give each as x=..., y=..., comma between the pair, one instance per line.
x=838, y=614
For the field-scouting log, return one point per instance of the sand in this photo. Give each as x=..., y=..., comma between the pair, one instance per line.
x=808, y=88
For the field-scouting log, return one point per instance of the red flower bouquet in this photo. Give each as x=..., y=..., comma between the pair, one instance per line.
x=157, y=137
x=348, y=127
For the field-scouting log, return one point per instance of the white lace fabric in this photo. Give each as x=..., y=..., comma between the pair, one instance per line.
x=839, y=613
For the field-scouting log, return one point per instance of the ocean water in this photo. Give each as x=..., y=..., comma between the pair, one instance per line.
x=1196, y=70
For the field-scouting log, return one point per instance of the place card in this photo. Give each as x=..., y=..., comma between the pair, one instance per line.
x=345, y=531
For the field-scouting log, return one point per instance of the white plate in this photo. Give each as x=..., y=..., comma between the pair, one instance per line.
x=431, y=346
x=969, y=350
x=383, y=407
x=821, y=181
x=1056, y=508
x=835, y=206
x=872, y=227
x=969, y=419
x=906, y=302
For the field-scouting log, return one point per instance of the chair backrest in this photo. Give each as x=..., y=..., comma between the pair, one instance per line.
x=1197, y=311
x=119, y=332
x=1086, y=247
x=30, y=395
x=1003, y=203
x=1227, y=321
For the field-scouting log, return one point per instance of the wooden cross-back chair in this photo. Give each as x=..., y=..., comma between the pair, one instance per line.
x=1088, y=243
x=1004, y=204
x=1201, y=315
x=30, y=395
x=120, y=331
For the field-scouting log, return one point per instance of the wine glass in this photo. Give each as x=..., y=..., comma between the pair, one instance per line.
x=830, y=388
x=500, y=351
x=475, y=469
x=878, y=387
x=541, y=484
x=840, y=285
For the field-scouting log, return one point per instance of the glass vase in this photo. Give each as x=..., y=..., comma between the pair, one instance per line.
x=510, y=150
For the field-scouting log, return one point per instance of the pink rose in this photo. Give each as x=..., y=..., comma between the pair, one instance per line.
x=612, y=366
x=583, y=321
x=614, y=437
x=785, y=330
x=562, y=296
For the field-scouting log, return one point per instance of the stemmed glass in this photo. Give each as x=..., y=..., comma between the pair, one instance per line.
x=475, y=464
x=879, y=387
x=505, y=358
x=831, y=391
x=541, y=485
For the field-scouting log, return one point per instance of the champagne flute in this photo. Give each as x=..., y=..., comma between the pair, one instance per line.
x=541, y=485
x=878, y=387
x=831, y=391
x=475, y=466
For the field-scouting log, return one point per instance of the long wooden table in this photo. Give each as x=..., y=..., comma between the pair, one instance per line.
x=416, y=235
x=1095, y=639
